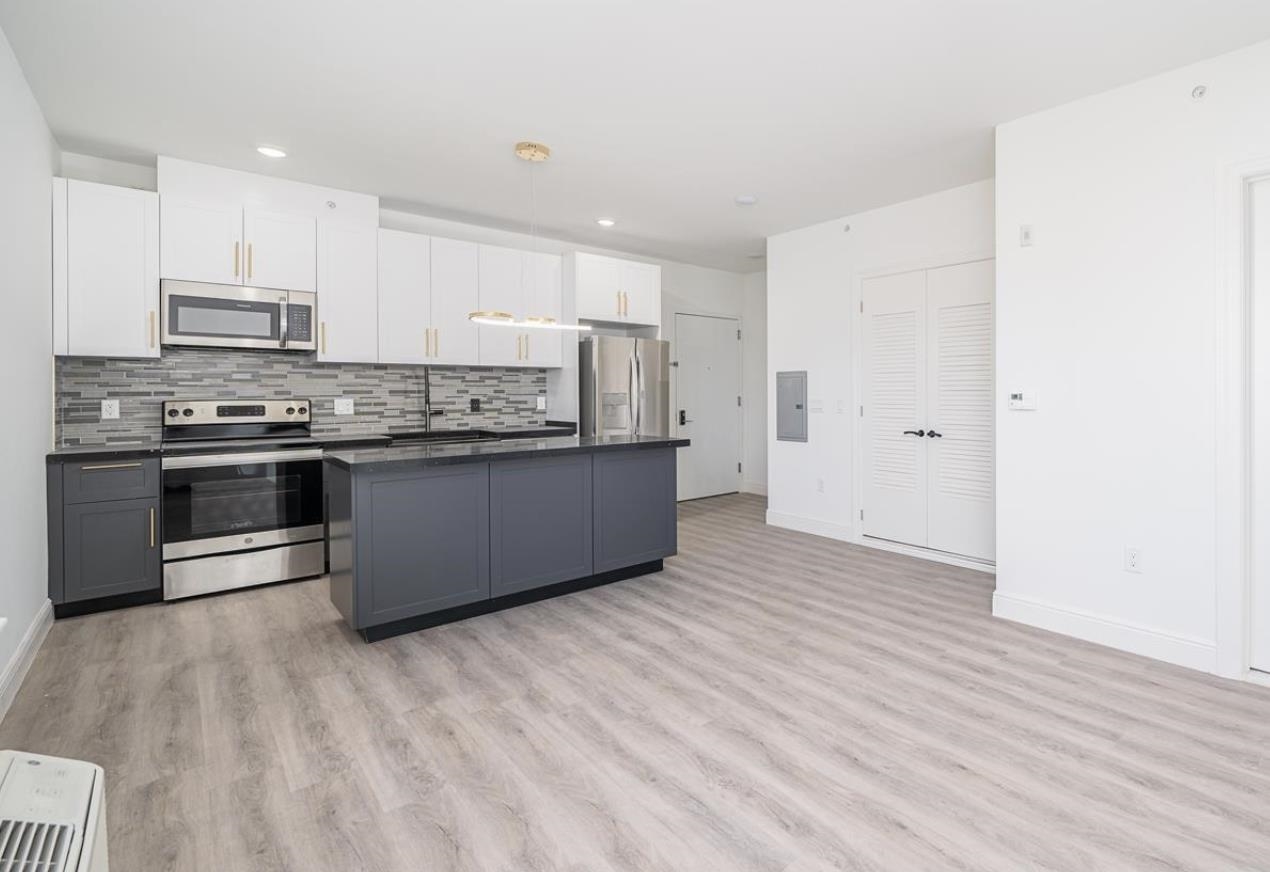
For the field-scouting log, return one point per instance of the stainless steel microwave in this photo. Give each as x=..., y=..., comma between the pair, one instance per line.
x=233, y=316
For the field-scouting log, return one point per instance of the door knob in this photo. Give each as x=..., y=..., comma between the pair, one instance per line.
x=914, y=432
x=932, y=434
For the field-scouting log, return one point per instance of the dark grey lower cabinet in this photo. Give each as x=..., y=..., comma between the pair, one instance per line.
x=634, y=511
x=421, y=541
x=540, y=522
x=110, y=548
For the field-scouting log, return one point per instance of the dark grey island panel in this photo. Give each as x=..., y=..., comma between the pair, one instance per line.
x=425, y=535
x=540, y=522
x=635, y=516
x=416, y=542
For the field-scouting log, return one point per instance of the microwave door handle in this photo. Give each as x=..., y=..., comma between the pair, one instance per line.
x=282, y=322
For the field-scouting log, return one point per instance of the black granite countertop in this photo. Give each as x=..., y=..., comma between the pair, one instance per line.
x=154, y=447
x=405, y=456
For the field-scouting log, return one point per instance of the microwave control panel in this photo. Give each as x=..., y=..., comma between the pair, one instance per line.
x=299, y=323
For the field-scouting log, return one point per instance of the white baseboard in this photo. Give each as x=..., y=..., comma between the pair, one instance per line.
x=809, y=525
x=16, y=669
x=754, y=487
x=1181, y=650
x=928, y=554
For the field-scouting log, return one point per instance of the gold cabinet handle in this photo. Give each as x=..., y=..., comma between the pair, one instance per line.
x=152, y=328
x=427, y=342
x=324, y=337
x=236, y=260
x=619, y=302
x=152, y=526
x=249, y=269
x=93, y=466
x=526, y=346
x=436, y=341
x=626, y=305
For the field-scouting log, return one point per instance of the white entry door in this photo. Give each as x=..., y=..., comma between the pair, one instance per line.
x=927, y=446
x=707, y=399
x=1260, y=290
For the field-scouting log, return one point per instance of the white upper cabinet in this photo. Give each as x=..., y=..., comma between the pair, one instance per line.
x=598, y=295
x=201, y=242
x=618, y=291
x=348, y=298
x=502, y=289
x=105, y=270
x=544, y=300
x=455, y=295
x=640, y=284
x=405, y=293
x=281, y=250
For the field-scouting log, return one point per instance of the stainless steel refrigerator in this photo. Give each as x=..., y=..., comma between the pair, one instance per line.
x=624, y=386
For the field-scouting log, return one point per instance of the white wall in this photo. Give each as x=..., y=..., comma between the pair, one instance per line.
x=1112, y=318
x=28, y=161
x=812, y=280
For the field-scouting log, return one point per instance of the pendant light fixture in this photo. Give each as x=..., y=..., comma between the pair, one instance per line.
x=532, y=153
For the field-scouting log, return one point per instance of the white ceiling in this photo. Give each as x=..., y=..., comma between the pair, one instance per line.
x=659, y=112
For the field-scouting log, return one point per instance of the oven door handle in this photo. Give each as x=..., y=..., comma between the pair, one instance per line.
x=240, y=458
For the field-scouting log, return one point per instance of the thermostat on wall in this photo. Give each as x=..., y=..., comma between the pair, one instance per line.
x=1022, y=400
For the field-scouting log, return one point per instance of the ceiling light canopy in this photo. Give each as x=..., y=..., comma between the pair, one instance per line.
x=605, y=222
x=271, y=151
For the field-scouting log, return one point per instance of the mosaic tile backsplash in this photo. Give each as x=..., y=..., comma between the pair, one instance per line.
x=386, y=398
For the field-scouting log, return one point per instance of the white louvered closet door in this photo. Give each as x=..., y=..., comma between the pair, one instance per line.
x=959, y=390
x=927, y=354
x=894, y=459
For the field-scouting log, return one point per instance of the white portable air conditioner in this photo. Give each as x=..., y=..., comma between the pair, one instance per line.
x=52, y=814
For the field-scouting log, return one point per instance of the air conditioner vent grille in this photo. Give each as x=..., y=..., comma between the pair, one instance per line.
x=34, y=846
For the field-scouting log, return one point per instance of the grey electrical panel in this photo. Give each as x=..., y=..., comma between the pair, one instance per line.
x=791, y=406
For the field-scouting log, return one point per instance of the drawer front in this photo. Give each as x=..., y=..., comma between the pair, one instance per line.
x=94, y=481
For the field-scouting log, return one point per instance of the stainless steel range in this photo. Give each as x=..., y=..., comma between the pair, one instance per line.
x=242, y=495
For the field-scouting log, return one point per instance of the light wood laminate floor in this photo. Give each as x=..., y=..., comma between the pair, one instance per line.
x=772, y=702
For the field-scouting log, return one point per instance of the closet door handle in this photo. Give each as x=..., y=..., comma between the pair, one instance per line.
x=932, y=434
x=914, y=432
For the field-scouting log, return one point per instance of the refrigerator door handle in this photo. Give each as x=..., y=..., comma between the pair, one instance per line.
x=633, y=408
x=639, y=396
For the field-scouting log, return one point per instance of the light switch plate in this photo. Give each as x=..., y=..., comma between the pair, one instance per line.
x=542, y=404
x=343, y=406
x=110, y=410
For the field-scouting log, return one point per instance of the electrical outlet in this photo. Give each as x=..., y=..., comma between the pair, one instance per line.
x=542, y=404
x=1025, y=235
x=1133, y=560
x=343, y=406
x=110, y=410
x=474, y=404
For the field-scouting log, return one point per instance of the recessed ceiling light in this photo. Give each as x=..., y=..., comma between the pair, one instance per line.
x=605, y=222
x=746, y=200
x=270, y=151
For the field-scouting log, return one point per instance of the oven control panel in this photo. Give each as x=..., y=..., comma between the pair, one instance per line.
x=192, y=412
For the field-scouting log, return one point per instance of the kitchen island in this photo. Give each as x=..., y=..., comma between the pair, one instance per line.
x=426, y=534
